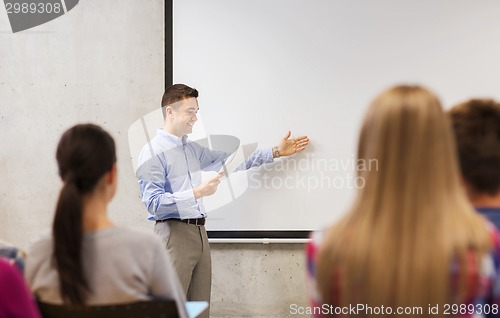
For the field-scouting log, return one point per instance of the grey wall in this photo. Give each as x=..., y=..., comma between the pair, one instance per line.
x=102, y=62
x=257, y=280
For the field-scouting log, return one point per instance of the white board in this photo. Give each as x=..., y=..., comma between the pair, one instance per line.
x=264, y=67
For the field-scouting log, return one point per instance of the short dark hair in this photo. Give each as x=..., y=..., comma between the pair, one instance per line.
x=175, y=93
x=477, y=130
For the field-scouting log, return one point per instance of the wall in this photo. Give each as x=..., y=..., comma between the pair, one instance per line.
x=98, y=63
x=102, y=62
x=257, y=280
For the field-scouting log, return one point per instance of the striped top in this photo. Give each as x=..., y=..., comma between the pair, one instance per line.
x=483, y=297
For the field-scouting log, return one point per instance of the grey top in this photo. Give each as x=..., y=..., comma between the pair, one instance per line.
x=121, y=265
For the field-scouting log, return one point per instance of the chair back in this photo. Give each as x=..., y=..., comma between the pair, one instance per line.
x=140, y=309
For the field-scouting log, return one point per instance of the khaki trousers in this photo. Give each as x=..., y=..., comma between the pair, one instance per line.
x=190, y=254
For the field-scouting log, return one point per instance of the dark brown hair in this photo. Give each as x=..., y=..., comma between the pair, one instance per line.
x=84, y=154
x=477, y=129
x=175, y=93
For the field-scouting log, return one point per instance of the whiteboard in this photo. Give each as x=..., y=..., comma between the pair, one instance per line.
x=265, y=67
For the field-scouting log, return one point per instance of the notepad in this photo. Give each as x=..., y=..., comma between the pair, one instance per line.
x=235, y=160
x=195, y=308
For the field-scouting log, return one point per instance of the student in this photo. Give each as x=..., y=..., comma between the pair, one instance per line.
x=16, y=300
x=13, y=254
x=169, y=176
x=477, y=129
x=88, y=260
x=411, y=239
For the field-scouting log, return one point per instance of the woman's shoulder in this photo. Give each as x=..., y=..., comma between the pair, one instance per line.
x=494, y=235
x=129, y=235
x=42, y=243
x=5, y=267
x=316, y=239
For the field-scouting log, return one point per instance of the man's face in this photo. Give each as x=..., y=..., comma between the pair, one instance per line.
x=182, y=116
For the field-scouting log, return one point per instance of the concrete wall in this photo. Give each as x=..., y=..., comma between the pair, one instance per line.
x=102, y=62
x=257, y=280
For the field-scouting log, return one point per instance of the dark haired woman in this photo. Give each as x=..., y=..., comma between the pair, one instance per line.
x=87, y=260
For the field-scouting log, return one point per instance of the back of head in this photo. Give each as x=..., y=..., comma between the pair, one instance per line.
x=176, y=93
x=400, y=235
x=85, y=153
x=407, y=132
x=477, y=129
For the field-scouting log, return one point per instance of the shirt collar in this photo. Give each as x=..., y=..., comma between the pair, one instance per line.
x=173, y=138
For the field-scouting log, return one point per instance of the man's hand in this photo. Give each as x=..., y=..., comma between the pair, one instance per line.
x=208, y=188
x=289, y=146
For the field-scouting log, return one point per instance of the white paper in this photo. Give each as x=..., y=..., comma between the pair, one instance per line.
x=233, y=162
x=195, y=308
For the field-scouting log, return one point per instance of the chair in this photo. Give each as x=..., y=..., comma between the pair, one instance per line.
x=140, y=309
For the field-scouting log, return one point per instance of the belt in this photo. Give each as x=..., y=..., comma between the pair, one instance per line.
x=197, y=222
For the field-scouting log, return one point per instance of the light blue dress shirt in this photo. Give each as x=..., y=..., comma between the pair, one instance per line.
x=170, y=168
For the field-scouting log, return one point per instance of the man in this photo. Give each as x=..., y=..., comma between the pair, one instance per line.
x=477, y=128
x=170, y=182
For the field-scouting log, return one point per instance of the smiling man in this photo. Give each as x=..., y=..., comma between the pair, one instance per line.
x=171, y=187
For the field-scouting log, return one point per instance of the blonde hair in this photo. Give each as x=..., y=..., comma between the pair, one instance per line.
x=396, y=245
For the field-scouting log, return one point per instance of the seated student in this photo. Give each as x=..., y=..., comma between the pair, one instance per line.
x=410, y=238
x=477, y=129
x=16, y=300
x=13, y=254
x=88, y=260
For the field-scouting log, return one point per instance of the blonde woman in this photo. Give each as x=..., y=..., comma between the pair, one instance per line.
x=411, y=244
